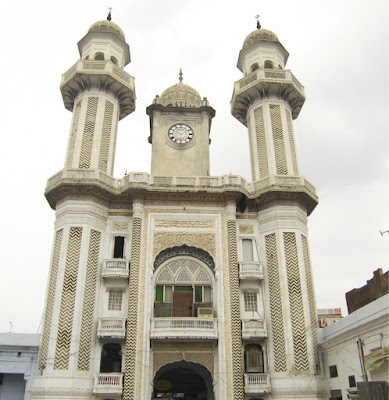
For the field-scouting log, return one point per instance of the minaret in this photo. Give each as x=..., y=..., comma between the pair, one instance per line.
x=99, y=93
x=266, y=100
x=180, y=122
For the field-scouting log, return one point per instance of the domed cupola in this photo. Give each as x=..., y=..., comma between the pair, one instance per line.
x=180, y=95
x=262, y=49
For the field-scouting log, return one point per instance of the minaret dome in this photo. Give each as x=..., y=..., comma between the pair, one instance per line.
x=262, y=49
x=105, y=41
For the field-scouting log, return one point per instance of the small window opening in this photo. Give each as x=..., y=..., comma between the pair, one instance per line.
x=99, y=56
x=247, y=247
x=269, y=64
x=111, y=358
x=114, y=60
x=254, y=358
x=118, y=250
x=115, y=300
x=333, y=371
x=250, y=301
x=254, y=67
x=351, y=381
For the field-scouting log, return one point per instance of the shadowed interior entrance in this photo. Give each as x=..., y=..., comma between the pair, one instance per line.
x=183, y=380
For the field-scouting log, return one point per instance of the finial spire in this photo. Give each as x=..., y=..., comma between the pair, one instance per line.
x=180, y=75
x=258, y=24
x=109, y=17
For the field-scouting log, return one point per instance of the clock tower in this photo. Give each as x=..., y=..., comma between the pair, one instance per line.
x=180, y=122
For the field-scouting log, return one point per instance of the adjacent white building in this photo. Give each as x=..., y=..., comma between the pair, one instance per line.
x=356, y=349
x=18, y=362
x=179, y=284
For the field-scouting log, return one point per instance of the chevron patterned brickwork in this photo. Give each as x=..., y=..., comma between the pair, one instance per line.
x=261, y=143
x=132, y=319
x=73, y=134
x=50, y=300
x=236, y=329
x=301, y=361
x=65, y=323
x=89, y=130
x=311, y=300
x=276, y=317
x=106, y=136
x=278, y=140
x=291, y=141
x=88, y=307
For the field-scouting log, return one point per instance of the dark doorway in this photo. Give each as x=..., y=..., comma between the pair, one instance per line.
x=118, y=247
x=182, y=304
x=183, y=380
x=111, y=358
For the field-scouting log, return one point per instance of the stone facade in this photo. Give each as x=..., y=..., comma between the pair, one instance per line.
x=178, y=281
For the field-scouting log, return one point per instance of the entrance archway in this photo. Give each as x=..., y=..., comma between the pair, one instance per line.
x=183, y=380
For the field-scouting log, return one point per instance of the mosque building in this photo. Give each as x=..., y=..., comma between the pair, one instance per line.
x=178, y=284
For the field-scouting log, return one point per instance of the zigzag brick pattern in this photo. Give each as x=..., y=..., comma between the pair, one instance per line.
x=276, y=318
x=261, y=143
x=50, y=300
x=301, y=361
x=236, y=329
x=106, y=136
x=311, y=300
x=73, y=134
x=88, y=307
x=132, y=319
x=65, y=323
x=291, y=141
x=278, y=140
x=89, y=130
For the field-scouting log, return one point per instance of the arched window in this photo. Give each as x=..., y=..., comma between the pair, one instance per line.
x=269, y=64
x=111, y=358
x=182, y=287
x=99, y=56
x=254, y=67
x=114, y=60
x=254, y=358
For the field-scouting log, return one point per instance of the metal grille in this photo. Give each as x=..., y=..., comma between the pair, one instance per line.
x=250, y=301
x=115, y=300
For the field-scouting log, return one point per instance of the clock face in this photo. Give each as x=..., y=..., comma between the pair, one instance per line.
x=180, y=133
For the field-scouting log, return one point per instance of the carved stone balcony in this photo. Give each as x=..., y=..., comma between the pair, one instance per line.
x=184, y=328
x=257, y=384
x=253, y=329
x=111, y=328
x=115, y=268
x=108, y=384
x=250, y=270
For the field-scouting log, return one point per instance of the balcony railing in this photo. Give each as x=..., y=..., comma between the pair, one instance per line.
x=253, y=328
x=111, y=327
x=108, y=384
x=183, y=327
x=250, y=270
x=115, y=268
x=256, y=384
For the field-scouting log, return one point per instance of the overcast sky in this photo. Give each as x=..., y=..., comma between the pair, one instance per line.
x=338, y=51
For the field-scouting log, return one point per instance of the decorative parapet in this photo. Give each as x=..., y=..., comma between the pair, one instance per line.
x=257, y=384
x=115, y=268
x=253, y=329
x=111, y=328
x=108, y=384
x=86, y=73
x=185, y=327
x=266, y=82
x=264, y=189
x=250, y=270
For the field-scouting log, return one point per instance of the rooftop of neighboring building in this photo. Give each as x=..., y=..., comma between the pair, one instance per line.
x=20, y=339
x=375, y=288
x=365, y=315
